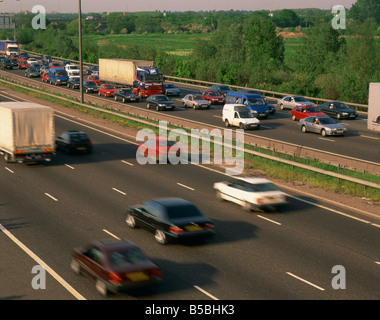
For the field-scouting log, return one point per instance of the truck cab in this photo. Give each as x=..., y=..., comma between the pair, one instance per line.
x=149, y=81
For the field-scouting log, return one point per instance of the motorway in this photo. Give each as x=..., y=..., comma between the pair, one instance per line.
x=359, y=142
x=47, y=210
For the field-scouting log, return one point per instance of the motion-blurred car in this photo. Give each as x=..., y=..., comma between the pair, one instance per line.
x=323, y=125
x=338, y=110
x=213, y=96
x=32, y=72
x=302, y=112
x=126, y=95
x=73, y=82
x=170, y=219
x=159, y=102
x=115, y=266
x=195, y=101
x=223, y=89
x=90, y=86
x=251, y=193
x=74, y=142
x=106, y=90
x=171, y=90
x=159, y=149
x=289, y=102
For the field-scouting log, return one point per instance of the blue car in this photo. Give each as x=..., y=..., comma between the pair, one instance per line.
x=57, y=76
x=255, y=102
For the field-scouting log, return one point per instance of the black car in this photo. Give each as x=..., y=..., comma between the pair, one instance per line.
x=338, y=110
x=170, y=219
x=159, y=102
x=74, y=141
x=14, y=62
x=223, y=89
x=90, y=86
x=73, y=82
x=46, y=59
x=91, y=69
x=32, y=72
x=125, y=95
x=6, y=64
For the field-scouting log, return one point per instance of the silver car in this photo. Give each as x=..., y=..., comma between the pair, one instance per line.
x=195, y=101
x=171, y=89
x=289, y=102
x=323, y=125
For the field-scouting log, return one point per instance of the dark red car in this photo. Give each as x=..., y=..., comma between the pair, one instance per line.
x=115, y=265
x=55, y=65
x=45, y=76
x=93, y=77
x=158, y=149
x=213, y=96
x=301, y=112
x=106, y=90
x=23, y=64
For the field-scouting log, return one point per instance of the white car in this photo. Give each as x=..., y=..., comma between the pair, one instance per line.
x=32, y=61
x=251, y=193
x=195, y=101
x=289, y=102
x=71, y=68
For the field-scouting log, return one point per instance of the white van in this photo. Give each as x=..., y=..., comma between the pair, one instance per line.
x=240, y=116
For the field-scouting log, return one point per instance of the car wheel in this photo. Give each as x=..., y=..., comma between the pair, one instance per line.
x=130, y=220
x=123, y=100
x=86, y=90
x=194, y=106
x=294, y=117
x=160, y=237
x=338, y=116
x=99, y=94
x=241, y=125
x=281, y=106
x=227, y=124
x=115, y=98
x=148, y=106
x=75, y=266
x=101, y=287
x=303, y=129
x=157, y=108
x=323, y=133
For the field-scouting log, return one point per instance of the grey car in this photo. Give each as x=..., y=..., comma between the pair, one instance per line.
x=222, y=88
x=289, y=102
x=338, y=110
x=323, y=125
x=171, y=90
x=195, y=101
x=32, y=72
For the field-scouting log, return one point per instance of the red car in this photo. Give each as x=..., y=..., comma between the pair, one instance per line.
x=158, y=149
x=45, y=76
x=93, y=77
x=301, y=112
x=55, y=65
x=115, y=265
x=106, y=90
x=213, y=96
x=23, y=64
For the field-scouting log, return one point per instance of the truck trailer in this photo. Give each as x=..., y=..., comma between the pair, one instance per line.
x=9, y=48
x=141, y=75
x=373, y=120
x=26, y=132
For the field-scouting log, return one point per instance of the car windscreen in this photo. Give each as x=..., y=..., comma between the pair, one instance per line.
x=256, y=101
x=89, y=83
x=183, y=211
x=300, y=99
x=261, y=187
x=109, y=87
x=150, y=78
x=341, y=105
x=326, y=121
x=213, y=93
x=60, y=74
x=127, y=257
x=126, y=91
x=224, y=88
x=312, y=110
x=162, y=98
x=245, y=114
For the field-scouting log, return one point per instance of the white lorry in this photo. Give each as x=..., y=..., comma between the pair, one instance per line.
x=26, y=132
x=373, y=121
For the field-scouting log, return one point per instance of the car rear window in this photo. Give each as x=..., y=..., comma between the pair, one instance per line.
x=127, y=257
x=79, y=137
x=183, y=211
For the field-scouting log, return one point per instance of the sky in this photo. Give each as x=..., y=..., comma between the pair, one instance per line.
x=167, y=5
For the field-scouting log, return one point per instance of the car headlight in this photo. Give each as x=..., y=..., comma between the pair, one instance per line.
x=254, y=111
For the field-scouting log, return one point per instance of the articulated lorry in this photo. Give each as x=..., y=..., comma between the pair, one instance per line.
x=9, y=48
x=26, y=132
x=141, y=75
x=373, y=121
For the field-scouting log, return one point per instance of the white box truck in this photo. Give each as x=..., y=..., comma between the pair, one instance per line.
x=26, y=132
x=141, y=75
x=373, y=121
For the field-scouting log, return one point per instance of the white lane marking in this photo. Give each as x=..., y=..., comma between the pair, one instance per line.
x=6, y=168
x=217, y=116
x=375, y=225
x=206, y=293
x=327, y=139
x=185, y=186
x=42, y=264
x=50, y=196
x=111, y=234
x=117, y=190
x=309, y=283
x=128, y=163
x=369, y=137
x=69, y=166
x=269, y=220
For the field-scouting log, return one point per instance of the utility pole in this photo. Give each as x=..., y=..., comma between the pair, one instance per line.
x=80, y=53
